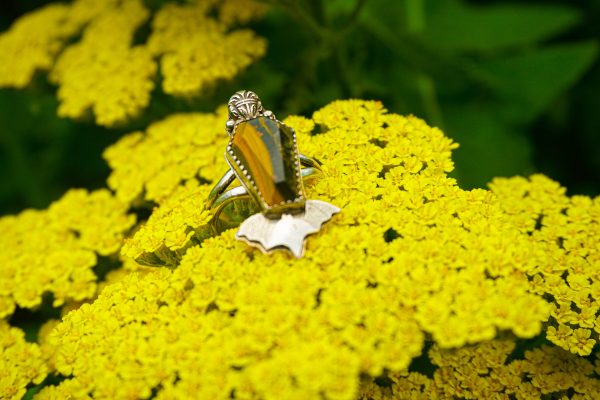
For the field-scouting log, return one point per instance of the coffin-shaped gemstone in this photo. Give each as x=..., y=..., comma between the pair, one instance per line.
x=266, y=149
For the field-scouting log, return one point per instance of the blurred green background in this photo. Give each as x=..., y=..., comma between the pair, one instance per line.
x=516, y=83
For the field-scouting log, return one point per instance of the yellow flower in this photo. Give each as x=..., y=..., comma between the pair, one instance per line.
x=31, y=44
x=410, y=255
x=33, y=41
x=105, y=75
x=102, y=72
x=197, y=51
x=173, y=226
x=54, y=250
x=580, y=342
x=182, y=147
x=559, y=336
x=488, y=371
x=232, y=12
x=566, y=232
x=68, y=389
x=21, y=363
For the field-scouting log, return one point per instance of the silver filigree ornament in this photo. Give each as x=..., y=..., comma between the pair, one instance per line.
x=263, y=155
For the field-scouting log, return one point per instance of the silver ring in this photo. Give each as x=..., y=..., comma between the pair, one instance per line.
x=263, y=156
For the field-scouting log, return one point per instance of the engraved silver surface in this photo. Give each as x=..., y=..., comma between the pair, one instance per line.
x=288, y=232
x=245, y=105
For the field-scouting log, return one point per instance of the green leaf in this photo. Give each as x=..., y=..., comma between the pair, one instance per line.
x=530, y=82
x=31, y=392
x=455, y=25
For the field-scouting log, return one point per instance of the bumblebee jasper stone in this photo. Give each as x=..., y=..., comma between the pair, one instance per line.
x=266, y=160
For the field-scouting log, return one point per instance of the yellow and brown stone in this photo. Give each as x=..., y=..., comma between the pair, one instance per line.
x=266, y=149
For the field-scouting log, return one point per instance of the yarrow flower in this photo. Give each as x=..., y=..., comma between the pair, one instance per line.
x=33, y=41
x=417, y=289
x=182, y=147
x=172, y=227
x=39, y=46
x=487, y=371
x=197, y=50
x=103, y=72
x=567, y=231
x=410, y=256
x=55, y=250
x=107, y=73
x=21, y=363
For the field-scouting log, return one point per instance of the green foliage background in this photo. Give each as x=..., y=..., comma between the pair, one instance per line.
x=516, y=83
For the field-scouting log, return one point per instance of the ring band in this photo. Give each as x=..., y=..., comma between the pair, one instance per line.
x=220, y=197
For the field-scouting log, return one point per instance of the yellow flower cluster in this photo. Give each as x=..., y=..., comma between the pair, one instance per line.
x=410, y=255
x=31, y=44
x=232, y=12
x=106, y=75
x=198, y=50
x=181, y=147
x=33, y=41
x=567, y=231
x=103, y=72
x=488, y=371
x=54, y=250
x=171, y=228
x=21, y=363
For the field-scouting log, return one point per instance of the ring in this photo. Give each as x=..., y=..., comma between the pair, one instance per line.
x=262, y=154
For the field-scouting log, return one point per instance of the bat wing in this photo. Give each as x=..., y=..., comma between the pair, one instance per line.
x=288, y=232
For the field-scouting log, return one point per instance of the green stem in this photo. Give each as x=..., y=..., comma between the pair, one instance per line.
x=340, y=71
x=302, y=16
x=416, y=24
x=328, y=38
x=355, y=13
x=415, y=16
x=428, y=93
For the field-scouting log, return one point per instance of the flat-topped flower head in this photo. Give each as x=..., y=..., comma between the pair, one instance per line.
x=412, y=259
x=412, y=256
x=55, y=251
x=107, y=73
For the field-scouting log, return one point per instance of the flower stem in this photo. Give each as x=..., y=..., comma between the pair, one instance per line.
x=330, y=39
x=415, y=16
x=416, y=24
x=304, y=18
